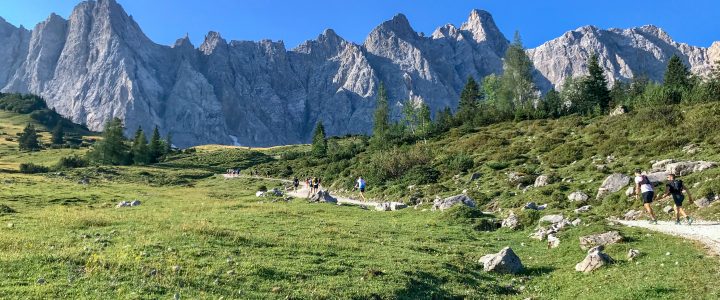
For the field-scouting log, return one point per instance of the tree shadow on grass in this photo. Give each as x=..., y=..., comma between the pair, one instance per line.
x=426, y=285
x=538, y=271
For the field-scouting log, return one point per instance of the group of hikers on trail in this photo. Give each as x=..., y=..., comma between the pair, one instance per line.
x=644, y=190
x=314, y=183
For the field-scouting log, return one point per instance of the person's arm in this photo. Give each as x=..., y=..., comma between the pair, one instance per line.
x=637, y=190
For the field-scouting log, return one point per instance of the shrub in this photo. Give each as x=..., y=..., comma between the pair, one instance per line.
x=459, y=163
x=528, y=217
x=460, y=214
x=4, y=209
x=71, y=162
x=497, y=165
x=30, y=168
x=262, y=188
x=421, y=175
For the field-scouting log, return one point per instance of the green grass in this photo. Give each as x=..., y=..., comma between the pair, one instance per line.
x=228, y=243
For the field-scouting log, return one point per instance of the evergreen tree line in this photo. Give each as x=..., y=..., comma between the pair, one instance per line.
x=115, y=149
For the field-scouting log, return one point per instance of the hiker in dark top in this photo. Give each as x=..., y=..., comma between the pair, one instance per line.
x=317, y=184
x=296, y=183
x=644, y=190
x=675, y=187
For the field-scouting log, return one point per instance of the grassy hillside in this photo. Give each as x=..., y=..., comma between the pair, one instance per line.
x=199, y=236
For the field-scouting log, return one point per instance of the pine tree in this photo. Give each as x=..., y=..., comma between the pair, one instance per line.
x=469, y=101
x=139, y=149
x=58, y=134
x=381, y=118
x=112, y=149
x=553, y=104
x=168, y=146
x=156, y=146
x=443, y=120
x=596, y=92
x=28, y=140
x=677, y=75
x=319, y=143
x=517, y=90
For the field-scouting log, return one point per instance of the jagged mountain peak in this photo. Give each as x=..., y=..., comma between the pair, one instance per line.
x=212, y=40
x=398, y=25
x=184, y=42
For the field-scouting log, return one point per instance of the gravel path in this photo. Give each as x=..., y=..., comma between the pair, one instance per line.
x=706, y=232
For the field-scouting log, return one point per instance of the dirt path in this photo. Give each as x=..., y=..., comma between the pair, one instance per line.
x=705, y=232
x=304, y=190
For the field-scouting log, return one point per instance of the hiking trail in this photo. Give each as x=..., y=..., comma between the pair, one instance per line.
x=705, y=232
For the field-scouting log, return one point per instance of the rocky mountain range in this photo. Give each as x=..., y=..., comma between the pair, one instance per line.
x=98, y=64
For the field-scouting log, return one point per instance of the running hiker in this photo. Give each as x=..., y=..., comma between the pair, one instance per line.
x=675, y=187
x=360, y=184
x=296, y=183
x=644, y=190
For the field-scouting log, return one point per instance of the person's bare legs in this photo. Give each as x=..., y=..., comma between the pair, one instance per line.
x=649, y=209
x=362, y=195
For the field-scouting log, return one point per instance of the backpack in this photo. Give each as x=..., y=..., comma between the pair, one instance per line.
x=644, y=180
x=676, y=187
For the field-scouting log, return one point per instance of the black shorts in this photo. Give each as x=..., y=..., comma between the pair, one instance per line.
x=678, y=199
x=647, y=197
x=362, y=189
x=316, y=186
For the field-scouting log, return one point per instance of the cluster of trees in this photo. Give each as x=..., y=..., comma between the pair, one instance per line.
x=29, y=140
x=115, y=149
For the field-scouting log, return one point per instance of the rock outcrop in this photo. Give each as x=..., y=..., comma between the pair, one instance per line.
x=98, y=64
x=504, y=262
x=612, y=184
x=602, y=239
x=595, y=259
x=462, y=199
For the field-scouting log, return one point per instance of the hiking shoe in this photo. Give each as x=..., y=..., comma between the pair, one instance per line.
x=653, y=222
x=677, y=222
x=690, y=220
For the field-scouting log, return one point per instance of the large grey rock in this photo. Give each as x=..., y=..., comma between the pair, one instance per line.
x=689, y=167
x=512, y=222
x=661, y=165
x=632, y=215
x=553, y=241
x=542, y=180
x=703, y=202
x=595, y=259
x=578, y=197
x=602, y=239
x=462, y=199
x=323, y=197
x=618, y=111
x=504, y=262
x=612, y=184
x=583, y=209
x=553, y=219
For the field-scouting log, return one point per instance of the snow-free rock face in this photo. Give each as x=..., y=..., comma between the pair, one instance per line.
x=623, y=54
x=98, y=65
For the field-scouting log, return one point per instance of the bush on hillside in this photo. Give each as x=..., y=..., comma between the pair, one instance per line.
x=71, y=162
x=422, y=174
x=30, y=168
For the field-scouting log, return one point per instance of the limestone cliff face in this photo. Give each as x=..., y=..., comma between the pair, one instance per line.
x=98, y=64
x=623, y=53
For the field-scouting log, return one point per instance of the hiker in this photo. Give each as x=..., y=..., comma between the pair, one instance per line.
x=308, y=183
x=318, y=181
x=360, y=185
x=644, y=190
x=675, y=187
x=296, y=183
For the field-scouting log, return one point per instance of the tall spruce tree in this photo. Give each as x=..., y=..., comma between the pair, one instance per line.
x=381, y=118
x=58, y=134
x=139, y=149
x=677, y=75
x=553, y=104
x=168, y=146
x=319, y=142
x=469, y=101
x=28, y=139
x=596, y=92
x=518, y=91
x=155, y=146
x=443, y=120
x=112, y=149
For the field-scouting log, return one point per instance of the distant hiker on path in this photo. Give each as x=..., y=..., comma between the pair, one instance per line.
x=316, y=184
x=296, y=183
x=644, y=190
x=675, y=187
x=360, y=185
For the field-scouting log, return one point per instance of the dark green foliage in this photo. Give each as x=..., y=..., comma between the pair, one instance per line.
x=71, y=162
x=4, y=209
x=31, y=168
x=58, y=135
x=517, y=90
x=156, y=148
x=444, y=120
x=459, y=163
x=216, y=161
x=421, y=174
x=469, y=101
x=596, y=93
x=677, y=75
x=23, y=104
x=28, y=140
x=528, y=217
x=381, y=118
x=112, y=149
x=139, y=150
x=319, y=142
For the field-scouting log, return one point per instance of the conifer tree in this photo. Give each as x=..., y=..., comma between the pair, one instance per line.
x=469, y=101
x=139, y=149
x=28, y=140
x=156, y=146
x=58, y=134
x=677, y=75
x=596, y=92
x=381, y=118
x=319, y=143
x=112, y=149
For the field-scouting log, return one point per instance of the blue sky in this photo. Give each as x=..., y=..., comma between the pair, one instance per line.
x=696, y=22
